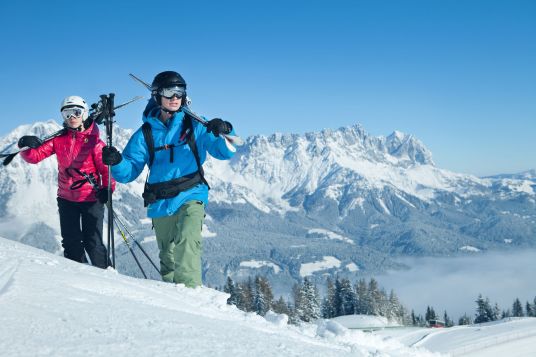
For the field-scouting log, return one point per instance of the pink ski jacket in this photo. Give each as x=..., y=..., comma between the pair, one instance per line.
x=74, y=150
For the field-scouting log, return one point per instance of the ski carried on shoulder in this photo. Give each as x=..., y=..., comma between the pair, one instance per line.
x=10, y=156
x=232, y=139
x=94, y=115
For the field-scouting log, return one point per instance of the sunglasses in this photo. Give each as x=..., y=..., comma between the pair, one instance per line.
x=67, y=113
x=169, y=93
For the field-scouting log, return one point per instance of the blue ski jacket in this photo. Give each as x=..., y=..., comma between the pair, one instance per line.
x=136, y=156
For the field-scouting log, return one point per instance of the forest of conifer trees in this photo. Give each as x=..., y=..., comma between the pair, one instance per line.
x=344, y=298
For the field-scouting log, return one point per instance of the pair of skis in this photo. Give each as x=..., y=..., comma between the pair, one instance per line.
x=96, y=115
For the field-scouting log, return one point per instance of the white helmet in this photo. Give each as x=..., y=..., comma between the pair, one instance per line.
x=76, y=101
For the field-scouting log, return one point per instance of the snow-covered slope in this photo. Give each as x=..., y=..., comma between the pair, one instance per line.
x=52, y=306
x=512, y=337
x=293, y=201
x=55, y=307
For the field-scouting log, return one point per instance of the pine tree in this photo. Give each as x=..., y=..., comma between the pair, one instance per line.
x=517, y=308
x=413, y=318
x=281, y=307
x=496, y=312
x=363, y=303
x=375, y=298
x=259, y=300
x=262, y=296
x=448, y=321
x=430, y=314
x=464, y=320
x=328, y=303
x=308, y=308
x=298, y=302
x=337, y=299
x=230, y=289
x=528, y=309
x=346, y=299
x=484, y=311
x=395, y=310
x=247, y=296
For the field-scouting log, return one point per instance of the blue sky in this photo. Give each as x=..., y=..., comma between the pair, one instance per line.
x=459, y=75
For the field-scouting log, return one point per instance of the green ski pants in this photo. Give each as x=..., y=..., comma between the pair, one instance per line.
x=179, y=241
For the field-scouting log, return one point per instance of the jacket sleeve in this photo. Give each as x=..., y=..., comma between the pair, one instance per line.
x=102, y=169
x=217, y=146
x=135, y=156
x=33, y=156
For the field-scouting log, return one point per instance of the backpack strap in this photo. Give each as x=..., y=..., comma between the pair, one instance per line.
x=193, y=148
x=148, y=136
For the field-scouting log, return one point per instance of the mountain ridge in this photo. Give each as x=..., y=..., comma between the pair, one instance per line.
x=284, y=197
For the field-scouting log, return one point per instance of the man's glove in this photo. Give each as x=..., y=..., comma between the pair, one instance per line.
x=102, y=195
x=110, y=156
x=218, y=126
x=30, y=141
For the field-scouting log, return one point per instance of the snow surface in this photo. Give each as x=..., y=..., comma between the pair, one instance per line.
x=326, y=263
x=513, y=337
x=508, y=338
x=260, y=264
x=352, y=267
x=326, y=234
x=469, y=248
x=51, y=306
x=363, y=321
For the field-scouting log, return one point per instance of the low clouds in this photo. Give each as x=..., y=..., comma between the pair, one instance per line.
x=453, y=284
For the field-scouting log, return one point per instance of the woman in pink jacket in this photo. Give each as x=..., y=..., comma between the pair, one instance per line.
x=81, y=206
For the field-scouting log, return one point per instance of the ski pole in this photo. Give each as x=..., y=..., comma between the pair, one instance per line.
x=93, y=182
x=235, y=140
x=11, y=156
x=130, y=249
x=136, y=242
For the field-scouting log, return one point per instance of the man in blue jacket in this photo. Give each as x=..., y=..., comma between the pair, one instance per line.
x=174, y=146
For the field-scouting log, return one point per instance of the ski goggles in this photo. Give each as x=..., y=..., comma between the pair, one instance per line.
x=169, y=93
x=67, y=113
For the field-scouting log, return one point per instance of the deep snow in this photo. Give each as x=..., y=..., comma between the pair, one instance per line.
x=50, y=306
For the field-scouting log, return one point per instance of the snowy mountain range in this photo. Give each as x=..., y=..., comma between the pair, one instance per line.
x=288, y=206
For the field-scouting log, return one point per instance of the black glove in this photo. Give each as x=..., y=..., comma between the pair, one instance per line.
x=218, y=126
x=110, y=156
x=102, y=195
x=30, y=141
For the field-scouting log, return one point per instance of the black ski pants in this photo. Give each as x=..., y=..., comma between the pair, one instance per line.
x=81, y=229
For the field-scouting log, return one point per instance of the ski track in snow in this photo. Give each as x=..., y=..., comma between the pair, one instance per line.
x=6, y=276
x=51, y=306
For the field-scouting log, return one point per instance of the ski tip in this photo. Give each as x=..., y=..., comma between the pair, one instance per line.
x=8, y=159
x=239, y=141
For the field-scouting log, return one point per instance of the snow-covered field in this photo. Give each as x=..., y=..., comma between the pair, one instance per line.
x=509, y=338
x=50, y=306
x=512, y=337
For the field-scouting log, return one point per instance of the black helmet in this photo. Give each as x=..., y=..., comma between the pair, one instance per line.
x=167, y=79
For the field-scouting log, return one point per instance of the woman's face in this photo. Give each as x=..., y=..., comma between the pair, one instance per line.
x=73, y=117
x=172, y=104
